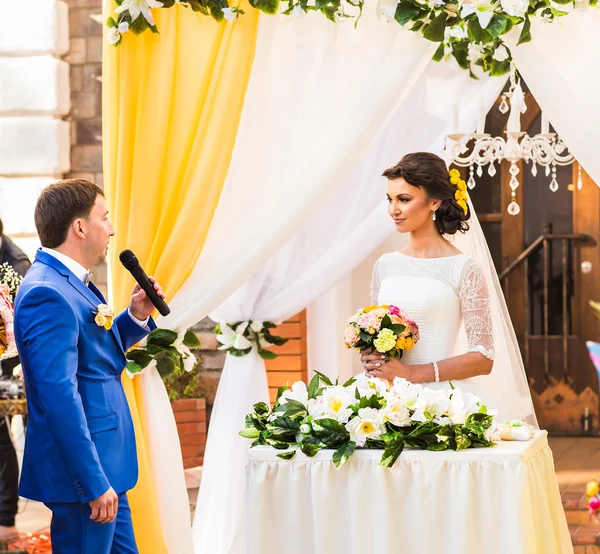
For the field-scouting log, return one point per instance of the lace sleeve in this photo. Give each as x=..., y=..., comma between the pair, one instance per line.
x=375, y=285
x=475, y=307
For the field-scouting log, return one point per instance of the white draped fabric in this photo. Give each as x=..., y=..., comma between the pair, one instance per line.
x=561, y=66
x=318, y=96
x=349, y=226
x=507, y=496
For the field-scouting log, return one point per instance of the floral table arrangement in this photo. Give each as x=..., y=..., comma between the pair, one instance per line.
x=369, y=413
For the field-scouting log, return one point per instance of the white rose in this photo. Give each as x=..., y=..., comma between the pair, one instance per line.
x=113, y=35
x=298, y=392
x=367, y=425
x=123, y=27
x=396, y=412
x=305, y=428
x=501, y=53
x=257, y=326
x=516, y=8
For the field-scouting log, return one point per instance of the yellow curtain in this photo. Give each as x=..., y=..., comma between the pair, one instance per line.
x=172, y=104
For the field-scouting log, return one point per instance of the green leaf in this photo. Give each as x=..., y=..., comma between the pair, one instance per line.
x=475, y=427
x=435, y=30
x=132, y=367
x=162, y=337
x=497, y=25
x=417, y=26
x=249, y=433
x=261, y=408
x=349, y=382
x=165, y=365
x=216, y=8
x=476, y=33
x=525, y=32
x=283, y=429
x=280, y=391
x=386, y=322
x=438, y=447
x=266, y=354
x=140, y=357
x=366, y=337
x=330, y=432
x=258, y=422
x=287, y=455
x=499, y=68
x=392, y=451
x=273, y=339
x=292, y=408
x=110, y=22
x=310, y=446
x=313, y=387
x=341, y=455
x=266, y=6
x=191, y=340
x=398, y=327
x=406, y=11
x=324, y=378
x=462, y=441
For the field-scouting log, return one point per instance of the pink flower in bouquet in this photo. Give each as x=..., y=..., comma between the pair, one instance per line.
x=594, y=505
x=370, y=322
x=394, y=310
x=351, y=336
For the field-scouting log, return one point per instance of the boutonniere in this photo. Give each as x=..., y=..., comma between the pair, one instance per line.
x=104, y=316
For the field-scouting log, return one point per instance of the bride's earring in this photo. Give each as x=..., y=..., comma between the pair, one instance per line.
x=433, y=216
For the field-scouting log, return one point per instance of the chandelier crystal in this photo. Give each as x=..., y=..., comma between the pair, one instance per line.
x=545, y=149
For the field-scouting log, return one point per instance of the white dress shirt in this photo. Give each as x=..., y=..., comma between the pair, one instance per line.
x=81, y=273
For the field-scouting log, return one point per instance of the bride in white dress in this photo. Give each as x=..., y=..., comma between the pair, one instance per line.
x=466, y=336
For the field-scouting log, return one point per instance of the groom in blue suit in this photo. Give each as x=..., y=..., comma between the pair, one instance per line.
x=80, y=455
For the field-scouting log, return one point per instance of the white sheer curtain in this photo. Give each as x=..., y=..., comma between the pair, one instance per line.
x=318, y=96
x=340, y=234
x=561, y=66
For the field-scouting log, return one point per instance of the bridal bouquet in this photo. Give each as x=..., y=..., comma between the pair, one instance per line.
x=386, y=329
x=9, y=284
x=368, y=413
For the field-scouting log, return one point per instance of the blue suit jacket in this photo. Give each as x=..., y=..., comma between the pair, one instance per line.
x=80, y=438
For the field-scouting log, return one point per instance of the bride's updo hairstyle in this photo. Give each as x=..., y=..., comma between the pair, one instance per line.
x=427, y=171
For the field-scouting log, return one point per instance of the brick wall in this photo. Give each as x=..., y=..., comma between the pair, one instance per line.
x=190, y=415
x=85, y=118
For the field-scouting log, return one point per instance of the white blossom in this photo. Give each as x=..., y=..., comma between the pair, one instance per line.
x=516, y=8
x=501, y=53
x=230, y=14
x=367, y=425
x=137, y=7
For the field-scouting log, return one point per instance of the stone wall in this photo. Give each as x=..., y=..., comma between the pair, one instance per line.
x=34, y=105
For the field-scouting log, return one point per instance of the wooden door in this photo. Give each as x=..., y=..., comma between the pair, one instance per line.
x=551, y=332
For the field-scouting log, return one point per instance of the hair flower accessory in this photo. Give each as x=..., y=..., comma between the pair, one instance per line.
x=461, y=189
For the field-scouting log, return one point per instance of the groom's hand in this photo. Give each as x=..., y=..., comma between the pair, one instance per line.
x=105, y=507
x=140, y=305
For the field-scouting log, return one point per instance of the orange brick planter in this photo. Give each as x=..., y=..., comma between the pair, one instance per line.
x=190, y=415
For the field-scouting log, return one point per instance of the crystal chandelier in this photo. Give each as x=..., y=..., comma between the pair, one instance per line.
x=545, y=149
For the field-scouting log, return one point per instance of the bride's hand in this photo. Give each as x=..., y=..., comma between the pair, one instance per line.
x=390, y=369
x=371, y=359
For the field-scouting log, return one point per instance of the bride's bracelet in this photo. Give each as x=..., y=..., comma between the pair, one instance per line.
x=436, y=372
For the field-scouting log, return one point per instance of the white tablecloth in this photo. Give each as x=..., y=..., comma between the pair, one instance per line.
x=501, y=500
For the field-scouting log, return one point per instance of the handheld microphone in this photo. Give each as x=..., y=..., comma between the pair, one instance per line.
x=132, y=265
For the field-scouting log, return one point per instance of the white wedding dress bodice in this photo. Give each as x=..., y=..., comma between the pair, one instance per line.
x=444, y=296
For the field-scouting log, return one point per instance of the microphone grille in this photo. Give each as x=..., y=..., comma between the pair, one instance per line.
x=128, y=258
